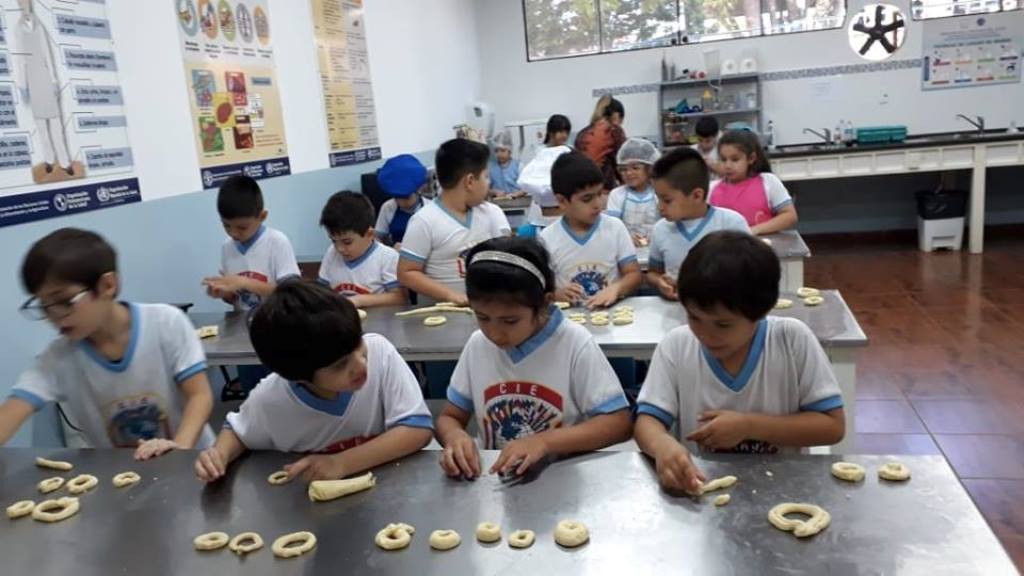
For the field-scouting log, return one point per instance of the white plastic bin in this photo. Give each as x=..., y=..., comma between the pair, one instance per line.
x=943, y=233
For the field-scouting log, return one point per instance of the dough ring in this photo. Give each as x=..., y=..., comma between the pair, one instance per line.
x=722, y=499
x=283, y=548
x=278, y=478
x=570, y=533
x=434, y=321
x=207, y=332
x=394, y=536
x=813, y=300
x=255, y=543
x=521, y=539
x=562, y=305
x=488, y=532
x=82, y=483
x=622, y=319
x=807, y=292
x=818, y=521
x=50, y=484
x=362, y=314
x=894, y=471
x=623, y=310
x=599, y=320
x=322, y=490
x=53, y=464
x=444, y=539
x=210, y=541
x=65, y=508
x=126, y=479
x=848, y=471
x=767, y=241
x=19, y=509
x=717, y=484
x=783, y=304
x=578, y=319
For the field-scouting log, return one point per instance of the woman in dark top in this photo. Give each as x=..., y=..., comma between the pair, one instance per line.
x=601, y=140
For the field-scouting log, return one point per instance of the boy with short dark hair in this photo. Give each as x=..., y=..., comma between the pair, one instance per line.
x=592, y=255
x=734, y=379
x=346, y=396
x=404, y=178
x=127, y=375
x=707, y=141
x=681, y=183
x=432, y=259
x=255, y=258
x=356, y=265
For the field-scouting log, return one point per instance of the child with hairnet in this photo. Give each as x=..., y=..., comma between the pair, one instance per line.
x=635, y=202
x=504, y=168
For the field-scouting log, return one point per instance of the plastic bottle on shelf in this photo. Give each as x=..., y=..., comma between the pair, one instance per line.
x=837, y=133
x=848, y=133
x=769, y=136
x=707, y=102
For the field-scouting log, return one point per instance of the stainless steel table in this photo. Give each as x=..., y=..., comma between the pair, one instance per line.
x=925, y=526
x=791, y=249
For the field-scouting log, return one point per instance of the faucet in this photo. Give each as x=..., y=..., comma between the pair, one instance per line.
x=825, y=134
x=978, y=123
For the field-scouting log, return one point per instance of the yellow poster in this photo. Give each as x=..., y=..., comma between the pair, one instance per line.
x=232, y=86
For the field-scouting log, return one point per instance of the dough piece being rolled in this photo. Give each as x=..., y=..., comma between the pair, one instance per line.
x=718, y=484
x=722, y=499
x=53, y=464
x=323, y=490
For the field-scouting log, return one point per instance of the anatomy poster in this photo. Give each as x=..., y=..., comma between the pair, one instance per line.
x=63, y=130
x=232, y=84
x=972, y=50
x=340, y=35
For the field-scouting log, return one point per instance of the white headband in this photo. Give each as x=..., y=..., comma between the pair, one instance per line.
x=512, y=259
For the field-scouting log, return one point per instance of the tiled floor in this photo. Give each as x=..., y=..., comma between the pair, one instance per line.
x=944, y=371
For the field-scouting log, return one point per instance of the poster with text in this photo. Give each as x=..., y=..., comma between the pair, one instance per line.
x=232, y=88
x=972, y=50
x=340, y=35
x=63, y=131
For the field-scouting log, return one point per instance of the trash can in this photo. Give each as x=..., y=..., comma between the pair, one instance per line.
x=940, y=219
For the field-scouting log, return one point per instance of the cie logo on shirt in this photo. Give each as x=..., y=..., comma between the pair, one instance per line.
x=514, y=410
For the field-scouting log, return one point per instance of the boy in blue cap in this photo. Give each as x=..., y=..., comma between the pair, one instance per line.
x=402, y=177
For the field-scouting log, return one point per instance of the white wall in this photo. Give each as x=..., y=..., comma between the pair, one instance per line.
x=518, y=89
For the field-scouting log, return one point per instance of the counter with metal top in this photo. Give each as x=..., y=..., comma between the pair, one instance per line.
x=927, y=525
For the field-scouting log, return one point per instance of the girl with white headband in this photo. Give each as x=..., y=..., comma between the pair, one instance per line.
x=537, y=384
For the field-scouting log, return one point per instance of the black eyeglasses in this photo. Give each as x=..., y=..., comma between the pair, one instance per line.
x=35, y=310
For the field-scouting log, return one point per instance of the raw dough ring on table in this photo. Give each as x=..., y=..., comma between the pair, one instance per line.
x=578, y=318
x=444, y=539
x=805, y=292
x=126, y=479
x=599, y=320
x=767, y=241
x=894, y=471
x=66, y=508
x=717, y=484
x=19, y=509
x=282, y=548
x=394, y=536
x=362, y=314
x=818, y=521
x=211, y=541
x=53, y=464
x=237, y=547
x=82, y=483
x=813, y=300
x=207, y=332
x=434, y=321
x=848, y=471
x=562, y=305
x=783, y=304
x=521, y=538
x=50, y=484
x=622, y=319
x=570, y=533
x=622, y=309
x=488, y=532
x=279, y=477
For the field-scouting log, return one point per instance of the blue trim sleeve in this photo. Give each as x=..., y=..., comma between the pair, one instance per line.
x=613, y=404
x=627, y=260
x=391, y=286
x=824, y=405
x=651, y=410
x=417, y=421
x=459, y=400
x=36, y=402
x=783, y=204
x=190, y=372
x=410, y=256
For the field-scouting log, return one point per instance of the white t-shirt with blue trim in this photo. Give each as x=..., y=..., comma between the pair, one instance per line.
x=593, y=260
x=439, y=239
x=672, y=241
x=638, y=210
x=266, y=257
x=786, y=372
x=285, y=416
x=557, y=378
x=115, y=404
x=375, y=272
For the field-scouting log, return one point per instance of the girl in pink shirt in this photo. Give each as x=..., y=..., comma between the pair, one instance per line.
x=749, y=187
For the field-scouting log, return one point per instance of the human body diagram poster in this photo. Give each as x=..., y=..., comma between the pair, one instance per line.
x=344, y=63
x=63, y=129
x=973, y=50
x=233, y=92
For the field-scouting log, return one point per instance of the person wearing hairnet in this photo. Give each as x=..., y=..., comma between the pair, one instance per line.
x=504, y=168
x=635, y=202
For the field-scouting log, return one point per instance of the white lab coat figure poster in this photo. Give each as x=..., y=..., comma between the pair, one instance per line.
x=977, y=50
x=64, y=143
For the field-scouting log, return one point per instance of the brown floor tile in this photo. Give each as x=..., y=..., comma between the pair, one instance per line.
x=951, y=295
x=984, y=324
x=970, y=416
x=902, y=327
x=983, y=456
x=887, y=417
x=1005, y=296
x=878, y=385
x=960, y=382
x=1000, y=504
x=1014, y=546
x=915, y=444
x=858, y=301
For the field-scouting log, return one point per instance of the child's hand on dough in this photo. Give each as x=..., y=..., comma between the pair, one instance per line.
x=316, y=467
x=676, y=470
x=461, y=458
x=210, y=465
x=720, y=429
x=518, y=455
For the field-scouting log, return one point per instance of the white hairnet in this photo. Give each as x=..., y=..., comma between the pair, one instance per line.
x=637, y=151
x=502, y=140
x=535, y=177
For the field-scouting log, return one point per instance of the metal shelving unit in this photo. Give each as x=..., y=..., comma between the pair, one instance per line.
x=676, y=128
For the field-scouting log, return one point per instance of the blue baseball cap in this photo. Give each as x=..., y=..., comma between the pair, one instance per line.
x=402, y=176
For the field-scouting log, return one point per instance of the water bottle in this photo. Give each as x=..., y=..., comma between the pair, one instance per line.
x=837, y=133
x=848, y=133
x=769, y=136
